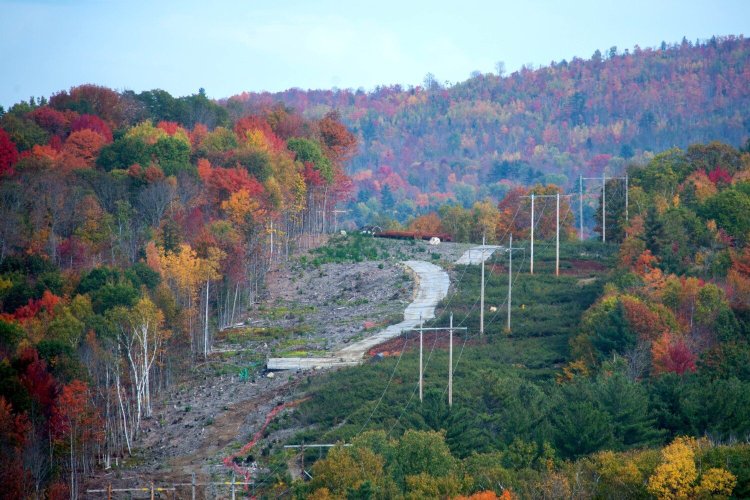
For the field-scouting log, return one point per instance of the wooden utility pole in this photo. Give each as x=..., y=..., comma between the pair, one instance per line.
x=557, y=227
x=580, y=206
x=450, y=329
x=604, y=208
x=532, y=234
x=626, y=197
x=450, y=364
x=604, y=180
x=421, y=348
x=557, y=239
x=510, y=276
x=481, y=295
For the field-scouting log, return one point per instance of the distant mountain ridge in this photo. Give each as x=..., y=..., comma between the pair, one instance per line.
x=551, y=124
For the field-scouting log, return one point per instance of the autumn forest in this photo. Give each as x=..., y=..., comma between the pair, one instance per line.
x=138, y=230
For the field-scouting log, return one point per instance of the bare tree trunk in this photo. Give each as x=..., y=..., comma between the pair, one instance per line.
x=205, y=326
x=73, y=492
x=122, y=411
x=234, y=304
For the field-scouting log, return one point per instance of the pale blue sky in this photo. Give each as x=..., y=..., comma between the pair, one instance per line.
x=232, y=46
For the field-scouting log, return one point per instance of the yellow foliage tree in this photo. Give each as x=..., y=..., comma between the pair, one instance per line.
x=702, y=185
x=618, y=475
x=346, y=468
x=716, y=483
x=424, y=485
x=676, y=476
x=146, y=132
x=321, y=494
x=256, y=140
x=486, y=217
x=185, y=272
x=241, y=207
x=571, y=370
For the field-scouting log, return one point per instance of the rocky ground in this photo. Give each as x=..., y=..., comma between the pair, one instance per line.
x=218, y=405
x=337, y=301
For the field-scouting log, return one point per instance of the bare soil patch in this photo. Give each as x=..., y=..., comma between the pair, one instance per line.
x=439, y=340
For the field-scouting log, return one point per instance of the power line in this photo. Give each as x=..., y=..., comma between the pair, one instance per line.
x=416, y=386
x=387, y=385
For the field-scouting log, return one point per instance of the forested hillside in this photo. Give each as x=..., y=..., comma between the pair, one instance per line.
x=465, y=141
x=605, y=370
x=132, y=227
x=135, y=226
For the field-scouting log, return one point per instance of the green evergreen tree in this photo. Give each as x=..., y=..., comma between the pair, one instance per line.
x=626, y=402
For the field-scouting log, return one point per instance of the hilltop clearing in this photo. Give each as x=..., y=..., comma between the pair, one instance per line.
x=307, y=308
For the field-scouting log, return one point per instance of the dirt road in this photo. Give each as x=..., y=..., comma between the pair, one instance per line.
x=432, y=286
x=432, y=283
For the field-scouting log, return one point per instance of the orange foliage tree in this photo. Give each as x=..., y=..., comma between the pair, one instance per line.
x=427, y=224
x=81, y=149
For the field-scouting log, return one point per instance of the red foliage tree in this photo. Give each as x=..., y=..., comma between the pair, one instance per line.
x=94, y=99
x=152, y=174
x=46, y=304
x=249, y=123
x=38, y=381
x=73, y=252
x=514, y=214
x=339, y=143
x=312, y=176
x=14, y=432
x=170, y=128
x=74, y=411
x=91, y=122
x=343, y=186
x=285, y=124
x=76, y=423
x=8, y=153
x=224, y=181
x=719, y=175
x=671, y=354
x=252, y=122
x=204, y=170
x=197, y=135
x=55, y=142
x=53, y=121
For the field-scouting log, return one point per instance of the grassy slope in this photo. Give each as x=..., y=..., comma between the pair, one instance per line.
x=546, y=311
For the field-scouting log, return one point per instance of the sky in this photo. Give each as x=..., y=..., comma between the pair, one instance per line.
x=231, y=46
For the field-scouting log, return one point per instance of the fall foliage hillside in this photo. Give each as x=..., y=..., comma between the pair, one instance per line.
x=480, y=137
